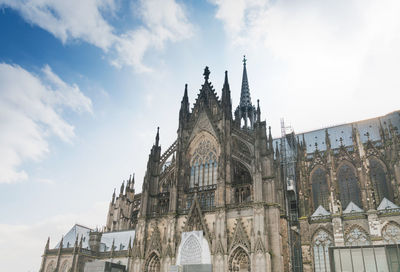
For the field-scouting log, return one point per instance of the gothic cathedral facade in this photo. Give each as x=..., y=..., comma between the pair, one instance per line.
x=228, y=196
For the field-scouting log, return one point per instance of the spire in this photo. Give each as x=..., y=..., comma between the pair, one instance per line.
x=133, y=181
x=245, y=114
x=226, y=97
x=47, y=247
x=121, y=192
x=158, y=136
x=270, y=145
x=327, y=140
x=113, y=197
x=184, y=111
x=258, y=111
x=245, y=99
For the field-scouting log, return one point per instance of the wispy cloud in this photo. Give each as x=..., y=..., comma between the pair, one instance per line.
x=161, y=21
x=31, y=112
x=336, y=54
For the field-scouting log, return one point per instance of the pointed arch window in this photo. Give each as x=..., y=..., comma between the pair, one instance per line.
x=379, y=181
x=348, y=186
x=321, y=242
x=204, y=165
x=320, y=188
x=153, y=264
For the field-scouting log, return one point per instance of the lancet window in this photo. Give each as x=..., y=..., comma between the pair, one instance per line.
x=320, y=188
x=379, y=181
x=204, y=165
x=348, y=185
x=321, y=242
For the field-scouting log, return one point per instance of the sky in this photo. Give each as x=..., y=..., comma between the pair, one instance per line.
x=84, y=85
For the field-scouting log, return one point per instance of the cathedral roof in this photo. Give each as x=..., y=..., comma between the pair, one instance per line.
x=119, y=238
x=342, y=134
x=320, y=211
x=352, y=208
x=386, y=204
x=76, y=231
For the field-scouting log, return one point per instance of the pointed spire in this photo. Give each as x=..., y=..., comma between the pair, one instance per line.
x=76, y=241
x=184, y=111
x=121, y=191
x=258, y=111
x=113, y=197
x=112, y=246
x=327, y=140
x=270, y=145
x=61, y=242
x=381, y=131
x=158, y=136
x=133, y=181
x=47, y=247
x=276, y=150
x=245, y=99
x=226, y=97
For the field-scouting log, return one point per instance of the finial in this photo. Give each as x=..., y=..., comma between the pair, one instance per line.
x=158, y=136
x=186, y=91
x=244, y=60
x=226, y=79
x=122, y=188
x=206, y=73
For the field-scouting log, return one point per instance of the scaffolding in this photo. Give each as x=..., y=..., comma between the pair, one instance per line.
x=288, y=158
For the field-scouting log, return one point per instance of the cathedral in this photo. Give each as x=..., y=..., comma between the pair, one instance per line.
x=226, y=196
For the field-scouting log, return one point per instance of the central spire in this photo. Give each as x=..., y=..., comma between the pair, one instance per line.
x=245, y=99
x=245, y=113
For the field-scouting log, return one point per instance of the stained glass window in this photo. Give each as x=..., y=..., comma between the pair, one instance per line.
x=379, y=181
x=204, y=165
x=320, y=188
x=321, y=242
x=348, y=186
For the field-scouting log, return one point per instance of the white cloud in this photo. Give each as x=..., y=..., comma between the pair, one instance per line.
x=334, y=58
x=30, y=112
x=162, y=21
x=29, y=239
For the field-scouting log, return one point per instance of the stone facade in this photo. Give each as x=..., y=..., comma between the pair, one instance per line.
x=224, y=179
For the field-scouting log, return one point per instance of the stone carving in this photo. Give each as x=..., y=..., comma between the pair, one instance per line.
x=391, y=233
x=356, y=237
x=240, y=236
x=191, y=250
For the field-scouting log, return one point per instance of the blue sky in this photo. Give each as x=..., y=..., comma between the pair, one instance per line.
x=84, y=84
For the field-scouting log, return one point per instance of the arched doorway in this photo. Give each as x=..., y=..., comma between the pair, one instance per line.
x=153, y=263
x=239, y=261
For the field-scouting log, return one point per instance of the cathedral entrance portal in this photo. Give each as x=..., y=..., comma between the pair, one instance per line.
x=153, y=263
x=239, y=261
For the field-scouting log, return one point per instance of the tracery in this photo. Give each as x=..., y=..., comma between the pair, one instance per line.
x=204, y=165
